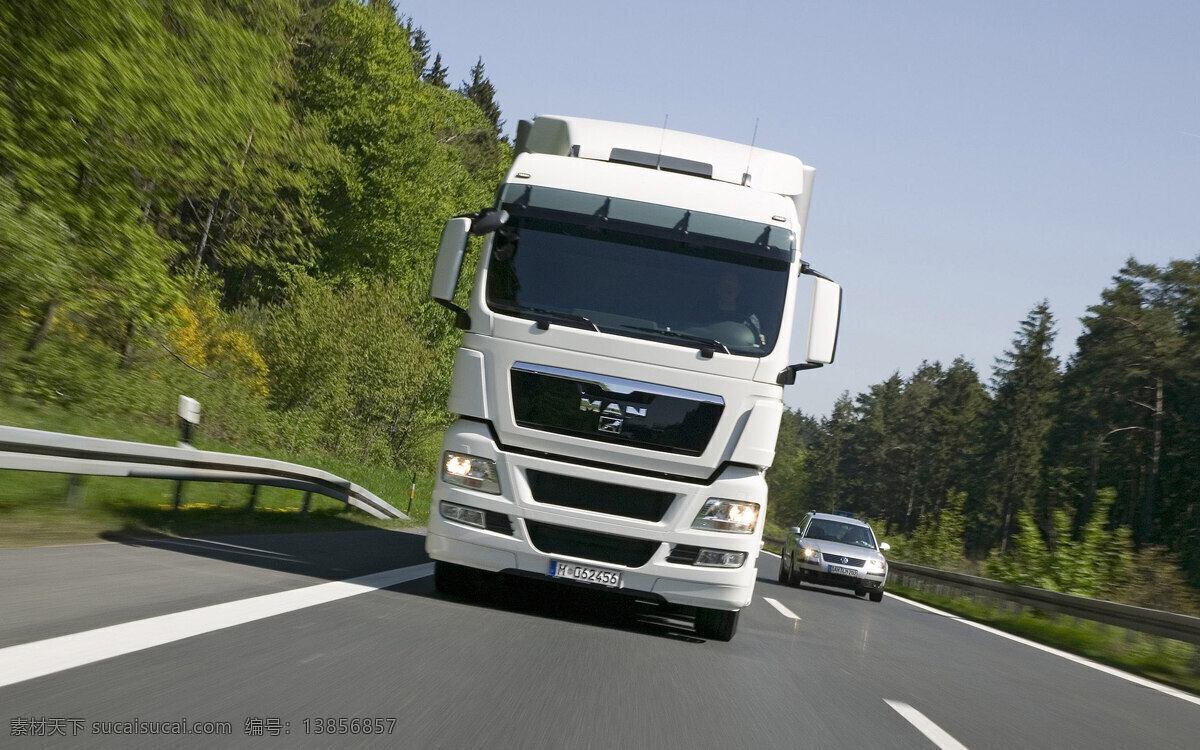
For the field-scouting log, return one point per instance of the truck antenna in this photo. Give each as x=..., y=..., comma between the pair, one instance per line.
x=749, y=156
x=661, y=139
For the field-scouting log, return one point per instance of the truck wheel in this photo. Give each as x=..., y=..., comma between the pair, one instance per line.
x=785, y=574
x=452, y=579
x=716, y=624
x=877, y=596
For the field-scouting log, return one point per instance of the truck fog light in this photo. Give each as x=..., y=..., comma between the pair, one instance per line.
x=716, y=558
x=727, y=515
x=462, y=514
x=470, y=471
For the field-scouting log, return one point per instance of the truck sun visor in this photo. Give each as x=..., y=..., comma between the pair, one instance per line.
x=702, y=228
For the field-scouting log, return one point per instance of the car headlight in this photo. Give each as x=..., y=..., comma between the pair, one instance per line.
x=470, y=471
x=727, y=515
x=876, y=566
x=810, y=553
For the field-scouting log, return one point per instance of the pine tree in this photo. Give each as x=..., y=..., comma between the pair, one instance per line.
x=1026, y=382
x=419, y=42
x=436, y=75
x=481, y=91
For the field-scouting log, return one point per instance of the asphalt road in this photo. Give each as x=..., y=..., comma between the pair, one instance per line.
x=269, y=645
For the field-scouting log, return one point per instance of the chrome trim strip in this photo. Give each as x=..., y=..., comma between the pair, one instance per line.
x=621, y=386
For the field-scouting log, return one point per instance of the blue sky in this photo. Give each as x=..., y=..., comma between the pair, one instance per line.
x=972, y=158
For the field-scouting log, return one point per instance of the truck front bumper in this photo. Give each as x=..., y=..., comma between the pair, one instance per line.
x=507, y=544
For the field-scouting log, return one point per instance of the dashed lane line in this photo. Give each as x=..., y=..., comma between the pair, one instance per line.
x=936, y=734
x=782, y=609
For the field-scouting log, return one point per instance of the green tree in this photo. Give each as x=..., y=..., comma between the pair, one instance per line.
x=481, y=91
x=436, y=75
x=786, y=477
x=1026, y=383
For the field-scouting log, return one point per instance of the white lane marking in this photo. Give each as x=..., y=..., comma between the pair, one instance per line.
x=39, y=658
x=182, y=541
x=1165, y=689
x=782, y=609
x=936, y=734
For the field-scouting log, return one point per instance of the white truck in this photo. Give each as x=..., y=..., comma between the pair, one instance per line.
x=619, y=386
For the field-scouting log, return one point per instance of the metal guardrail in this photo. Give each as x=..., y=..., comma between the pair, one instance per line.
x=60, y=453
x=1141, y=619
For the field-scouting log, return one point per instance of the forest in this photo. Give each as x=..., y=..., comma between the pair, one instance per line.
x=237, y=200
x=240, y=199
x=1046, y=465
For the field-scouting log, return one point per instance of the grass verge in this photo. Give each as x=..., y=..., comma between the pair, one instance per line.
x=1160, y=659
x=38, y=508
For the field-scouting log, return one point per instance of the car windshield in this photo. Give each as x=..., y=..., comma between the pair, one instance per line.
x=626, y=270
x=843, y=533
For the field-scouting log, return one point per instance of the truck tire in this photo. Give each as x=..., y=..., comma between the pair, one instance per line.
x=876, y=596
x=785, y=575
x=716, y=624
x=455, y=580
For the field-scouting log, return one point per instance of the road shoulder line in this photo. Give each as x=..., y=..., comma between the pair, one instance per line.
x=1135, y=679
x=28, y=661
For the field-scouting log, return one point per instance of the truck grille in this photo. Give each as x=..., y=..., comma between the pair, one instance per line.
x=613, y=410
x=684, y=554
x=842, y=560
x=600, y=497
x=497, y=522
x=589, y=545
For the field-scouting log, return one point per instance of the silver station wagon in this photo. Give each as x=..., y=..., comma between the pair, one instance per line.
x=835, y=550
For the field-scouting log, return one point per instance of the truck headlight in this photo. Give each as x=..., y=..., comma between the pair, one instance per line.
x=810, y=553
x=876, y=566
x=716, y=558
x=463, y=514
x=470, y=471
x=727, y=515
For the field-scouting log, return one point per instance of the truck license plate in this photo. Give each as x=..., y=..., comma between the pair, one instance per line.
x=585, y=574
x=843, y=571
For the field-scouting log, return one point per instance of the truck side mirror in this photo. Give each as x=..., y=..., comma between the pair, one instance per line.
x=823, y=321
x=446, y=269
x=884, y=546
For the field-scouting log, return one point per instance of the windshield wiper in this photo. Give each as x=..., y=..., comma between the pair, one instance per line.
x=544, y=317
x=707, y=345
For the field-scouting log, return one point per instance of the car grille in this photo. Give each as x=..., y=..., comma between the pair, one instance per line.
x=843, y=560
x=589, y=545
x=600, y=497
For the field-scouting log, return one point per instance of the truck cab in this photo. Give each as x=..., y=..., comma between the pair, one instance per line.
x=618, y=390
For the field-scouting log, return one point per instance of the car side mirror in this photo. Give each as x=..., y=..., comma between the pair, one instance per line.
x=884, y=546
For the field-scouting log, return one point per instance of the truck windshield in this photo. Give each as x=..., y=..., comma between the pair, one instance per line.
x=648, y=278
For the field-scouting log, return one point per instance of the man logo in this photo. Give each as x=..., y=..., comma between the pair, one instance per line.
x=612, y=415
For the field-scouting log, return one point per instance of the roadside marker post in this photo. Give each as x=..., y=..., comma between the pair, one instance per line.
x=189, y=417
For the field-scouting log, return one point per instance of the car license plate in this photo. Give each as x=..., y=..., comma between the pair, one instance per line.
x=843, y=571
x=585, y=574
